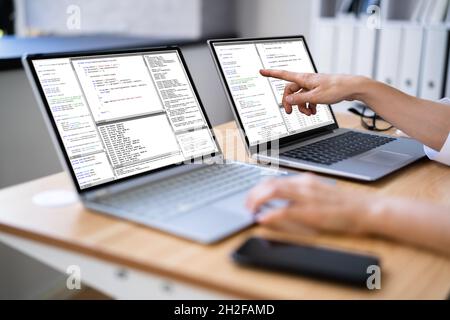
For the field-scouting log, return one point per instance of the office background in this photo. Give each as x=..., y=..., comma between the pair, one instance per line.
x=401, y=42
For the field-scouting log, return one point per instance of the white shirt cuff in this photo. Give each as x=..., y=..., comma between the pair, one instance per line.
x=442, y=156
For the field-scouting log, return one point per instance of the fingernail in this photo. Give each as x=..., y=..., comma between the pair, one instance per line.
x=290, y=99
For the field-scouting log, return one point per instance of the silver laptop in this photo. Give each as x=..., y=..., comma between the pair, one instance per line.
x=314, y=143
x=137, y=143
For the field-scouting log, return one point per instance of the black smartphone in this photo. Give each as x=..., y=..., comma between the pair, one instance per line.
x=319, y=262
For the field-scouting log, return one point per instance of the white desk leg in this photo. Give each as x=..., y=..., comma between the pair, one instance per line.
x=114, y=280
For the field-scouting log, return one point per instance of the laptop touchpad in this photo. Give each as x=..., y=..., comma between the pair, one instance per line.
x=386, y=158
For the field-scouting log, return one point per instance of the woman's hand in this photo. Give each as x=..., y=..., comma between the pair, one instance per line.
x=312, y=203
x=306, y=90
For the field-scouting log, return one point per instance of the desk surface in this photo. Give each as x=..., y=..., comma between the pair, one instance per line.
x=407, y=272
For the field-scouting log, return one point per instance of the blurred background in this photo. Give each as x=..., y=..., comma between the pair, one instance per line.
x=401, y=42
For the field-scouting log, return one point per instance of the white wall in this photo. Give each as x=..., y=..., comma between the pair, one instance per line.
x=178, y=19
x=258, y=18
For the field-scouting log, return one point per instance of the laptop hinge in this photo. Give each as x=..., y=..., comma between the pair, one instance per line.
x=313, y=136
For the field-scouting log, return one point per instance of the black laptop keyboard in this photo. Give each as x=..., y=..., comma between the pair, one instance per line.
x=338, y=148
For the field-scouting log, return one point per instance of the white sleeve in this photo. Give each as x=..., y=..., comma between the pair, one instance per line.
x=442, y=156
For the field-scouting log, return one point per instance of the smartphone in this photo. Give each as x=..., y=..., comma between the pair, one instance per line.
x=313, y=261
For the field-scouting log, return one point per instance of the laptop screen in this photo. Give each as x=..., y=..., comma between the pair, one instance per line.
x=257, y=100
x=120, y=115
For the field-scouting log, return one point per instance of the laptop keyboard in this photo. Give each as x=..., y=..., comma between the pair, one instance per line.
x=182, y=193
x=338, y=148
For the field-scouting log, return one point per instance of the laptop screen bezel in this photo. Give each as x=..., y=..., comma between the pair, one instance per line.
x=28, y=59
x=284, y=140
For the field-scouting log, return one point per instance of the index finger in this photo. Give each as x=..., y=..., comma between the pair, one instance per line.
x=301, y=79
x=280, y=74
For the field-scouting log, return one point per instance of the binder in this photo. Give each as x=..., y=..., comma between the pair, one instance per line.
x=418, y=14
x=447, y=91
x=324, y=45
x=344, y=8
x=447, y=15
x=365, y=48
x=389, y=54
x=344, y=48
x=411, y=53
x=433, y=62
x=437, y=12
x=428, y=12
x=385, y=5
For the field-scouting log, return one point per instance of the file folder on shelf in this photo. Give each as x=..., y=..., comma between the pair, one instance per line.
x=365, y=47
x=409, y=64
x=324, y=45
x=389, y=54
x=433, y=62
x=420, y=10
x=344, y=48
x=437, y=12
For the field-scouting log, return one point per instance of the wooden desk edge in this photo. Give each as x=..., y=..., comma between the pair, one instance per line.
x=130, y=263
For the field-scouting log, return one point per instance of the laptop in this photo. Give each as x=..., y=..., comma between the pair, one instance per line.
x=133, y=134
x=314, y=143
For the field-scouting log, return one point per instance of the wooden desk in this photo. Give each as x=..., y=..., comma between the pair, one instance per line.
x=407, y=272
